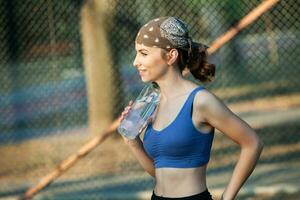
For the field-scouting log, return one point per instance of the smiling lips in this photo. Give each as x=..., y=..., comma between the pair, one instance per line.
x=142, y=71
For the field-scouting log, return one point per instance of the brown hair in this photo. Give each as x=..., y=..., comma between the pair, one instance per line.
x=195, y=60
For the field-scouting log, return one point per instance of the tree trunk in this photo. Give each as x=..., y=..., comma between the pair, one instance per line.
x=97, y=63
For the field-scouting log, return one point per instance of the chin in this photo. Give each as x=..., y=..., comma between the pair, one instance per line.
x=145, y=80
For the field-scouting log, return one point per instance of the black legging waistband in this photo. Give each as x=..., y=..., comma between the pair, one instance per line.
x=205, y=195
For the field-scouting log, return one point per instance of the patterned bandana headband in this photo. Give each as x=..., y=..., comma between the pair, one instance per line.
x=165, y=33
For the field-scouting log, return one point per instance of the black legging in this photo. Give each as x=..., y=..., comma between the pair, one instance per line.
x=201, y=196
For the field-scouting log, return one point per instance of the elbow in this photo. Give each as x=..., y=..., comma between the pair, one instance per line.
x=151, y=172
x=256, y=145
x=259, y=145
x=150, y=169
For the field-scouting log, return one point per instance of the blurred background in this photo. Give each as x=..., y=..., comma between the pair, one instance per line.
x=66, y=72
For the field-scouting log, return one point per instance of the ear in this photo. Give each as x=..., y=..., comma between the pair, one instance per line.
x=172, y=56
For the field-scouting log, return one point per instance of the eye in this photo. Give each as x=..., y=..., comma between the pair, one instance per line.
x=143, y=53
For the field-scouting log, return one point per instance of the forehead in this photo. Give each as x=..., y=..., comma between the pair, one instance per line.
x=140, y=47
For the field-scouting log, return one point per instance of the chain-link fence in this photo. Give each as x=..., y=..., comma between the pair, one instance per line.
x=44, y=103
x=42, y=84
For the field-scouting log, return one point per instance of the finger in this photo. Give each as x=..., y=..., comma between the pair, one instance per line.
x=127, y=107
x=130, y=103
x=144, y=126
x=149, y=120
x=124, y=113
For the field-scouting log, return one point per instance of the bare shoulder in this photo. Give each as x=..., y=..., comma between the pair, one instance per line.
x=205, y=98
x=207, y=101
x=219, y=116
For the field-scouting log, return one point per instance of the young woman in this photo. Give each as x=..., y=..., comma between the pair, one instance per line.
x=176, y=146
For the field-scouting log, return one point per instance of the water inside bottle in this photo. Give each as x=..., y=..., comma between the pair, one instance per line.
x=142, y=109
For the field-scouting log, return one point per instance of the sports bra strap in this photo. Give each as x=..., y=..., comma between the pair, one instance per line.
x=187, y=108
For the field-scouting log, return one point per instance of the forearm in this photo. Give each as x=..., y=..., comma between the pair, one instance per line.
x=136, y=146
x=243, y=169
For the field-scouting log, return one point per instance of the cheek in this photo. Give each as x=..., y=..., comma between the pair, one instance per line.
x=158, y=70
x=158, y=62
x=155, y=66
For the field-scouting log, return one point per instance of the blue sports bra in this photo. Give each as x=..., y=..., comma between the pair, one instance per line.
x=180, y=144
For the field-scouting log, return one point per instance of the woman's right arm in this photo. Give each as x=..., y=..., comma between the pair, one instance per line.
x=136, y=146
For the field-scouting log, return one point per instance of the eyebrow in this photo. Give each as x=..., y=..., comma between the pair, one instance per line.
x=143, y=50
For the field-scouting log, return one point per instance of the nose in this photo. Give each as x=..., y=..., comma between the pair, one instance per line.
x=135, y=62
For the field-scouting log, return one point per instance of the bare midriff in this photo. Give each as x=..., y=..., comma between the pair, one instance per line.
x=180, y=182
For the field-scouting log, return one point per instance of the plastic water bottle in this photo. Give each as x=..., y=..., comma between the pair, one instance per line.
x=142, y=109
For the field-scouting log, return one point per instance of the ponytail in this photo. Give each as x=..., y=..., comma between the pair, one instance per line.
x=196, y=61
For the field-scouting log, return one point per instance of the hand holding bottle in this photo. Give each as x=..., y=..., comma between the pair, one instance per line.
x=136, y=115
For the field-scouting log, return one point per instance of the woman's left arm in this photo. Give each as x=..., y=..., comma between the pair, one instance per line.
x=219, y=116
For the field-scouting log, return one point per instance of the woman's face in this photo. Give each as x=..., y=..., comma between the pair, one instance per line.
x=149, y=62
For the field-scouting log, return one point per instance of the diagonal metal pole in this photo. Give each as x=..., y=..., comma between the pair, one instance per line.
x=244, y=22
x=87, y=148
x=71, y=160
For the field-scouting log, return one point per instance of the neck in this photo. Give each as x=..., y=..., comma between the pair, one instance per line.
x=172, y=85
